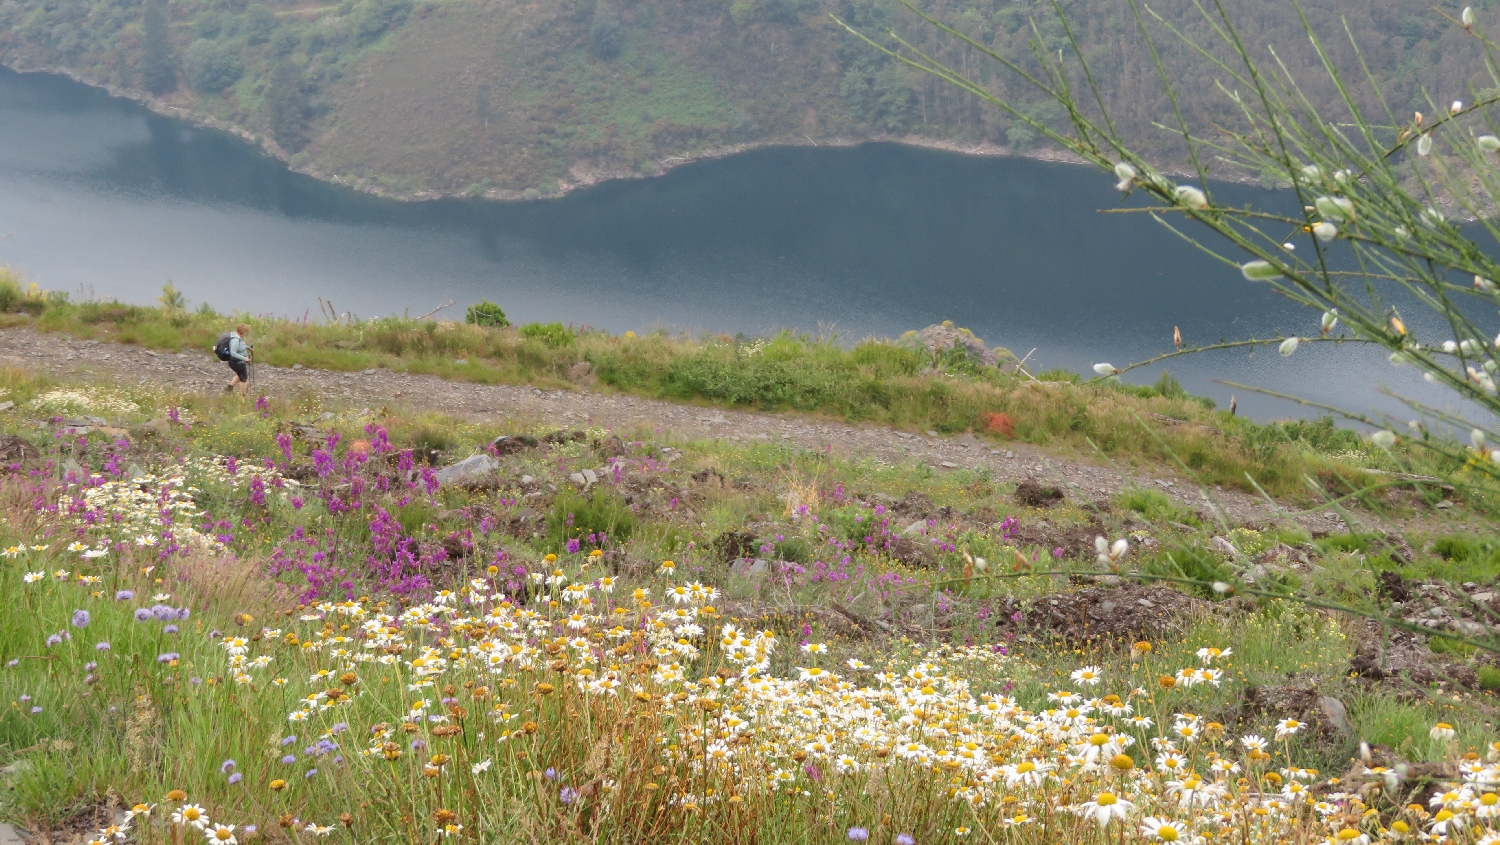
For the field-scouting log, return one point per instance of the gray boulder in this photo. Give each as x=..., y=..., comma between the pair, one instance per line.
x=467, y=471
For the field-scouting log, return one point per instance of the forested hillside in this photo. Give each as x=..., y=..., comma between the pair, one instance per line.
x=499, y=97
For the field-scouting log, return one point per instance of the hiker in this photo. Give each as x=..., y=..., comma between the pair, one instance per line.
x=234, y=351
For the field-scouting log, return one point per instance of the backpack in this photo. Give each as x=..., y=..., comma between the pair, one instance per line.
x=221, y=348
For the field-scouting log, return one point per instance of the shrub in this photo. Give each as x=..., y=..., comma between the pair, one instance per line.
x=10, y=290
x=553, y=334
x=487, y=314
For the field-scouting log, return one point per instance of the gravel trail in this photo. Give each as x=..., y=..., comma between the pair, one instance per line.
x=194, y=371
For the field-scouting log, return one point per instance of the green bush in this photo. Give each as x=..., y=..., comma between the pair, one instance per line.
x=10, y=291
x=554, y=335
x=487, y=314
x=1489, y=678
x=1152, y=505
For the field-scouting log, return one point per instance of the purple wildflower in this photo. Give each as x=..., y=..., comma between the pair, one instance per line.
x=124, y=595
x=858, y=834
x=80, y=618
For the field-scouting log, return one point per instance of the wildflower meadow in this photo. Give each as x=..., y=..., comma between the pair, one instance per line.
x=229, y=625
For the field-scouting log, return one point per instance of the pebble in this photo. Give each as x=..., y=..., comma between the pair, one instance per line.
x=370, y=372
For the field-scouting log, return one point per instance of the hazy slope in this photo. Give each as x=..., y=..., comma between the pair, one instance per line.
x=514, y=97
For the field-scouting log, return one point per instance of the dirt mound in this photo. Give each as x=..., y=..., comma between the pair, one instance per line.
x=1403, y=662
x=736, y=545
x=1260, y=708
x=1075, y=541
x=1034, y=494
x=15, y=450
x=1125, y=613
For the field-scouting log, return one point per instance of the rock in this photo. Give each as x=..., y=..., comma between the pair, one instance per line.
x=526, y=479
x=1335, y=714
x=461, y=361
x=916, y=529
x=467, y=471
x=1223, y=546
x=297, y=367
x=940, y=338
x=579, y=479
x=370, y=372
x=590, y=476
x=7, y=405
x=580, y=371
x=948, y=465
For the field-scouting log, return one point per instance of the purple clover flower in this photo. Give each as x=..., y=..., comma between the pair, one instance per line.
x=124, y=595
x=858, y=834
x=80, y=619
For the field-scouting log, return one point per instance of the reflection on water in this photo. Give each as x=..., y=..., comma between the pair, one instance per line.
x=872, y=240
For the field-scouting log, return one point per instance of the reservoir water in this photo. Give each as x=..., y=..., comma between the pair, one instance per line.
x=101, y=197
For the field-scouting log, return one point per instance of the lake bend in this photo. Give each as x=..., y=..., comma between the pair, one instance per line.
x=101, y=197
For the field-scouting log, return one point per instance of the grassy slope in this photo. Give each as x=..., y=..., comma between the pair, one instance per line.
x=876, y=381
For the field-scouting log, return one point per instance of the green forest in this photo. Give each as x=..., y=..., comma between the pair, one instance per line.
x=511, y=98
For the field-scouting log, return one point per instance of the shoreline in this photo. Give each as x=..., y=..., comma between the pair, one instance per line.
x=581, y=177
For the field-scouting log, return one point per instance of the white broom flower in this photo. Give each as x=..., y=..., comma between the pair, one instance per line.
x=1190, y=197
x=1383, y=439
x=1325, y=231
x=1289, y=346
x=1424, y=144
x=1338, y=208
x=1127, y=175
x=1105, y=369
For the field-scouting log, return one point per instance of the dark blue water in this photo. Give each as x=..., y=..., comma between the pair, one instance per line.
x=103, y=197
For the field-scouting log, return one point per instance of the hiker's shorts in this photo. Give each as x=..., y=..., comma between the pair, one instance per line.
x=240, y=370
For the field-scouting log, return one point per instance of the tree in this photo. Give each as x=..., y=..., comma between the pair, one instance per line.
x=288, y=107
x=373, y=18
x=604, y=32
x=158, y=67
x=210, y=66
x=488, y=314
x=260, y=22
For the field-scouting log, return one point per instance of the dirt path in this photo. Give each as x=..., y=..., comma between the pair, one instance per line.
x=194, y=371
